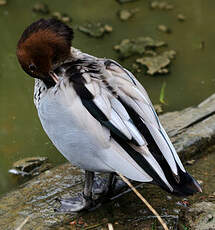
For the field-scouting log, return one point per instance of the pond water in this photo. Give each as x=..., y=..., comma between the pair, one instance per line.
x=191, y=78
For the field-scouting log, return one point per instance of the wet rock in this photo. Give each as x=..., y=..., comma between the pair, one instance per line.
x=190, y=162
x=161, y=5
x=62, y=17
x=125, y=1
x=37, y=199
x=41, y=8
x=181, y=17
x=191, y=130
x=157, y=64
x=30, y=166
x=96, y=30
x=129, y=47
x=3, y=2
x=200, y=216
x=125, y=14
x=164, y=29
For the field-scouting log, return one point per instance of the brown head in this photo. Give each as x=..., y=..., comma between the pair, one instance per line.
x=44, y=44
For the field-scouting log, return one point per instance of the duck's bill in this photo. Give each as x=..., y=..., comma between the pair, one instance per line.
x=54, y=76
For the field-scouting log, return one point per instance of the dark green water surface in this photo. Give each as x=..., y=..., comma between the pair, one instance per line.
x=191, y=80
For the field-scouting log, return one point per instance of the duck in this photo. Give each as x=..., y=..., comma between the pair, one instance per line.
x=98, y=115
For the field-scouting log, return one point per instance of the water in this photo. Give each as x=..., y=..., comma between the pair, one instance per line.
x=191, y=80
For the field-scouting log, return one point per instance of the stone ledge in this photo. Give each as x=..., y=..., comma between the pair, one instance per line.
x=191, y=130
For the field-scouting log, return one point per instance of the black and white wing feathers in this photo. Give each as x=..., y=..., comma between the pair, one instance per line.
x=113, y=96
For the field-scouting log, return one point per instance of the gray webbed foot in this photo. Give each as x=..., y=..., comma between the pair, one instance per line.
x=100, y=186
x=75, y=204
x=97, y=190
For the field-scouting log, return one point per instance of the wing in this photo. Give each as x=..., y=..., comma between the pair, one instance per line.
x=113, y=96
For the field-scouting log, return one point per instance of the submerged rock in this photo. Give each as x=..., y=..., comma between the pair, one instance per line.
x=3, y=2
x=181, y=17
x=96, y=30
x=128, y=47
x=62, y=17
x=164, y=28
x=136, y=67
x=200, y=216
x=157, y=64
x=41, y=8
x=30, y=166
x=125, y=14
x=125, y=1
x=161, y=5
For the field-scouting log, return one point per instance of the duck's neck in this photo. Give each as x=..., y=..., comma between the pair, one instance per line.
x=49, y=82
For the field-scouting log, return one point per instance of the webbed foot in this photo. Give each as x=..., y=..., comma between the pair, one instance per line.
x=77, y=204
x=97, y=190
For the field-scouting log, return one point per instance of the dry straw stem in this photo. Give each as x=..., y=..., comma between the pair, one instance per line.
x=23, y=223
x=110, y=226
x=144, y=201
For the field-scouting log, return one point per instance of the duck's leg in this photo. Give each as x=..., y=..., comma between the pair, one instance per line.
x=81, y=202
x=103, y=189
x=88, y=185
x=115, y=185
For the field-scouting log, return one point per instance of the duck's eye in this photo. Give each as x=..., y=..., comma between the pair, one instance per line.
x=32, y=67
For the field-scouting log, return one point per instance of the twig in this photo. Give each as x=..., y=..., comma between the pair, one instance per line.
x=110, y=226
x=93, y=226
x=23, y=223
x=144, y=201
